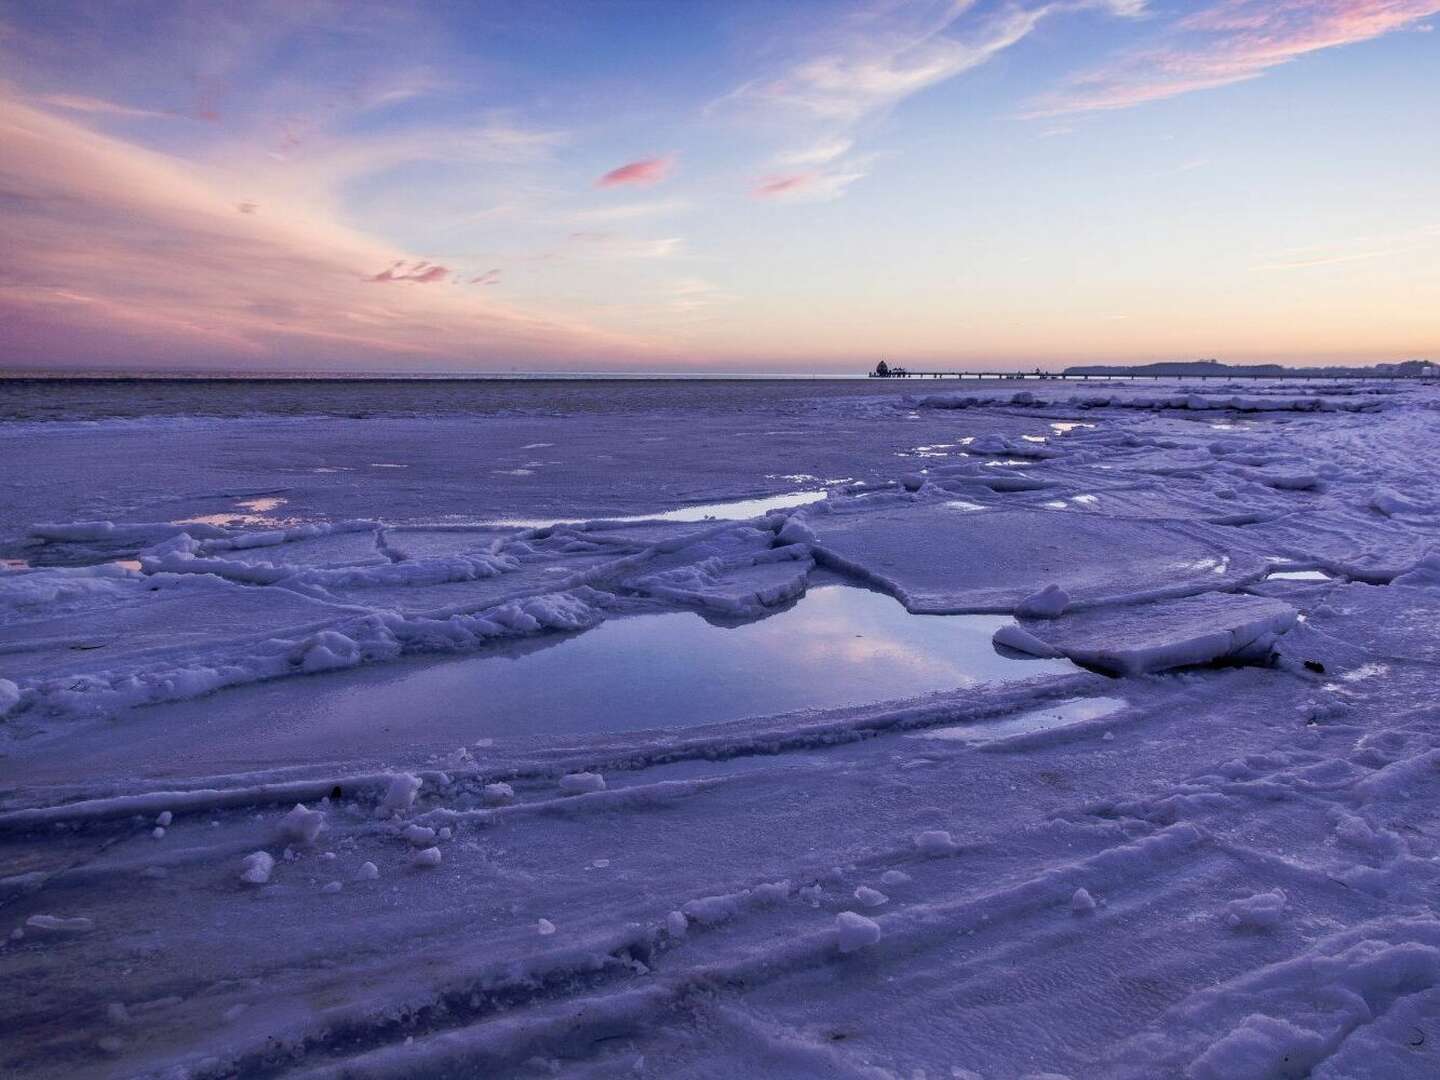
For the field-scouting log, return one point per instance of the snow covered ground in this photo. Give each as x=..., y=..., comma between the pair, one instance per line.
x=915, y=731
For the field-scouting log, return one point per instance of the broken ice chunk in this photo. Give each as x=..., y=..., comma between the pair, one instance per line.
x=1048, y=603
x=854, y=931
x=581, y=783
x=935, y=842
x=301, y=826
x=255, y=868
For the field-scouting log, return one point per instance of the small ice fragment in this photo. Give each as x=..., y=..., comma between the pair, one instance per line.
x=854, y=931
x=400, y=795
x=935, y=842
x=1048, y=603
x=59, y=924
x=600, y=864
x=1109, y=736
x=367, y=872
x=1260, y=912
x=497, y=794
x=1012, y=636
x=419, y=835
x=9, y=696
x=677, y=924
x=234, y=1012
x=446, y=833
x=328, y=856
x=301, y=826
x=158, y=832
x=580, y=783
x=871, y=897
x=545, y=927
x=256, y=868
x=332, y=887
x=1082, y=903
x=428, y=858
x=111, y=1044
x=116, y=1013
x=895, y=877
x=164, y=819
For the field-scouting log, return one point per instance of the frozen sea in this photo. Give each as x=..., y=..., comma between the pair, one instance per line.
x=657, y=728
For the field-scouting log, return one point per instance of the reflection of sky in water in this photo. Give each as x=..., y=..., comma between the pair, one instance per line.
x=1058, y=714
x=257, y=513
x=1299, y=575
x=838, y=646
x=739, y=510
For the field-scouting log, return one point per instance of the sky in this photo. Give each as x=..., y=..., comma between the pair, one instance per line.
x=676, y=185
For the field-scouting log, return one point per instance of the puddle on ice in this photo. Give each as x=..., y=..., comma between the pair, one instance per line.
x=739, y=510
x=1056, y=715
x=1298, y=575
x=839, y=645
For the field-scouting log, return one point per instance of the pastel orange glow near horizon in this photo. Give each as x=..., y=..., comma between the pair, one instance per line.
x=323, y=186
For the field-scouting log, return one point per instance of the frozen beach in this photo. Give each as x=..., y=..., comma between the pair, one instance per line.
x=720, y=728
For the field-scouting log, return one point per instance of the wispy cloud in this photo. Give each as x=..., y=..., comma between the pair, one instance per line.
x=879, y=56
x=815, y=185
x=1228, y=42
x=82, y=104
x=640, y=173
x=630, y=211
x=608, y=245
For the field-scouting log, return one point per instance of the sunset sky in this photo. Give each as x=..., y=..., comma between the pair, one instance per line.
x=676, y=184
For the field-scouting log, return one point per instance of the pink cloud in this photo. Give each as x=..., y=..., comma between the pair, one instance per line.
x=247, y=207
x=774, y=187
x=490, y=277
x=418, y=275
x=645, y=172
x=1233, y=41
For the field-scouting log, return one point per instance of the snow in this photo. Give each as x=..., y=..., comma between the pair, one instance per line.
x=829, y=783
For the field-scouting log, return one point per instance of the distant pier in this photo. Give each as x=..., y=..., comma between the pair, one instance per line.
x=1070, y=376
